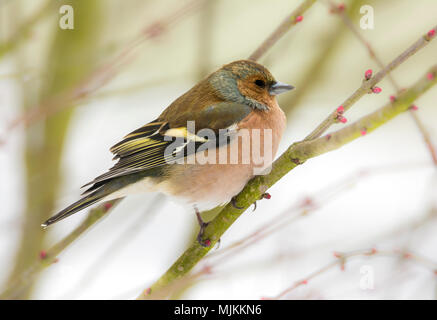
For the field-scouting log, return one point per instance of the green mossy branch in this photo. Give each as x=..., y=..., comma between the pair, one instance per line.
x=295, y=155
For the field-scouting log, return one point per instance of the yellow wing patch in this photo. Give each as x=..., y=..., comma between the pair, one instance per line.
x=182, y=132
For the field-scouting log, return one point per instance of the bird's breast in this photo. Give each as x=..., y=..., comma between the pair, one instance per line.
x=213, y=177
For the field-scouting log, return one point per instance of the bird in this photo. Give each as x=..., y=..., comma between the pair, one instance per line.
x=186, y=152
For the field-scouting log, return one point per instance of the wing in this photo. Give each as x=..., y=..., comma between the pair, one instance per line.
x=147, y=147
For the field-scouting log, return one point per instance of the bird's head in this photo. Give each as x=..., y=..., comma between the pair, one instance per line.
x=247, y=82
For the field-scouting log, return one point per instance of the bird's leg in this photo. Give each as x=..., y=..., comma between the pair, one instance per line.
x=203, y=225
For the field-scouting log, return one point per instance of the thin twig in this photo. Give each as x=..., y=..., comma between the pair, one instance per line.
x=290, y=21
x=329, y=45
x=367, y=85
x=304, y=207
x=343, y=258
x=24, y=29
x=92, y=272
x=50, y=256
x=372, y=53
x=102, y=75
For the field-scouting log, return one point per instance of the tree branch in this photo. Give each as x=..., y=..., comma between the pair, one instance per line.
x=343, y=258
x=25, y=28
x=369, y=84
x=296, y=154
x=372, y=53
x=105, y=72
x=50, y=256
x=285, y=26
x=280, y=31
x=315, y=71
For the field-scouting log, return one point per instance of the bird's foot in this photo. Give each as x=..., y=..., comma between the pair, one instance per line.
x=218, y=243
x=263, y=196
x=266, y=195
x=234, y=204
x=203, y=225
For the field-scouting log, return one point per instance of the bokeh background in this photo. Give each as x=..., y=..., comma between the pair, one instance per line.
x=66, y=96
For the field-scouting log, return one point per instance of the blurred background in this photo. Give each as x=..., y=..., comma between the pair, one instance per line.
x=66, y=96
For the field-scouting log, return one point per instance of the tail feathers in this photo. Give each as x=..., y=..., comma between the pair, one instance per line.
x=75, y=207
x=94, y=195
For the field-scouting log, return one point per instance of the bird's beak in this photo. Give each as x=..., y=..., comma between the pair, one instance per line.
x=279, y=87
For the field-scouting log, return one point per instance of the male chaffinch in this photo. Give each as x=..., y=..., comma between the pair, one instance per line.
x=237, y=97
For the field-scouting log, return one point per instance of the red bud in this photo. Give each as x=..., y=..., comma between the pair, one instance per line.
x=376, y=90
x=368, y=74
x=43, y=254
x=107, y=205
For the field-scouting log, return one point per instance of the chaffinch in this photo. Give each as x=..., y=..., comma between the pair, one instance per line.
x=189, y=151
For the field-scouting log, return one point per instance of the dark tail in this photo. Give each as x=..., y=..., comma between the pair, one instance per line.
x=75, y=207
x=104, y=188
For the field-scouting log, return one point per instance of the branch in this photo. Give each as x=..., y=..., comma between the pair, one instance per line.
x=296, y=154
x=343, y=258
x=80, y=91
x=103, y=74
x=290, y=21
x=326, y=124
x=367, y=85
x=50, y=256
x=372, y=53
x=303, y=208
x=329, y=46
x=25, y=28
x=102, y=259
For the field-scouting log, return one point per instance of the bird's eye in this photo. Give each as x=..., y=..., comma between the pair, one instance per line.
x=260, y=83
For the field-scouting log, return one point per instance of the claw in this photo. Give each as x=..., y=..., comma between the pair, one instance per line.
x=254, y=206
x=263, y=196
x=218, y=243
